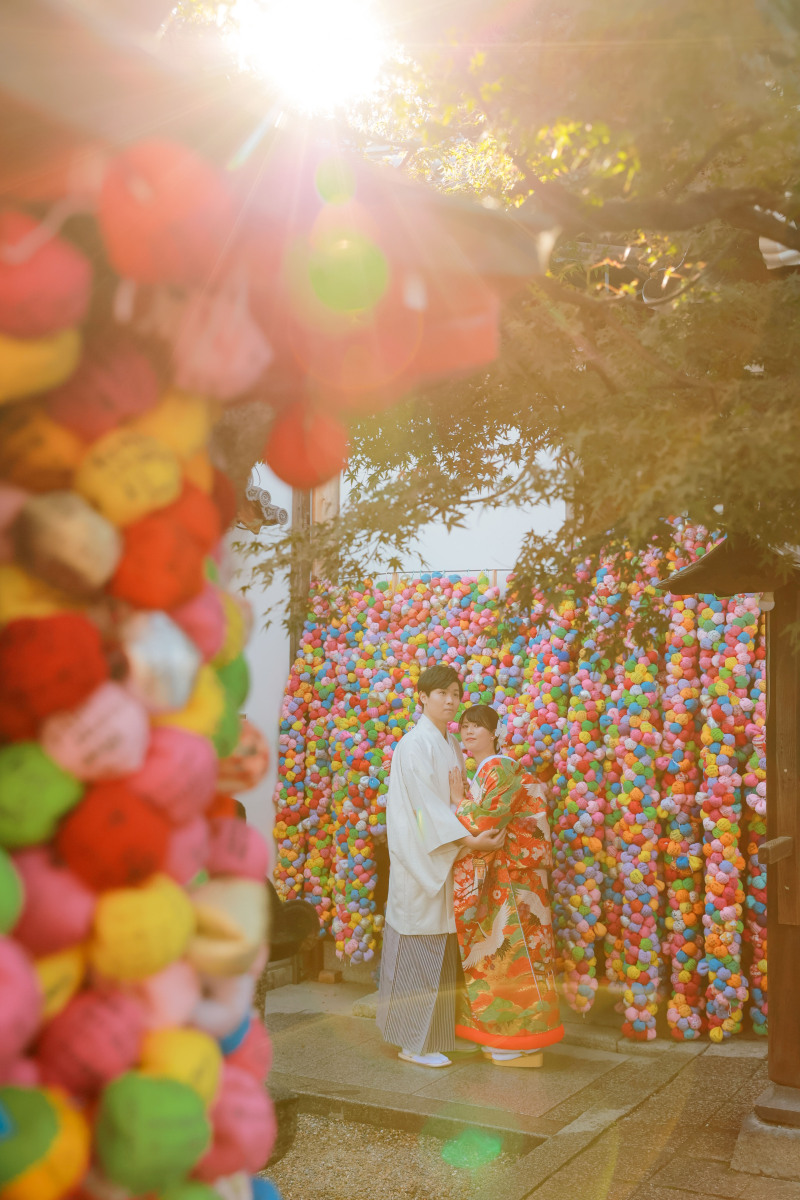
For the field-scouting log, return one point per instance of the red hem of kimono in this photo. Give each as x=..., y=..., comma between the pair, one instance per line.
x=522, y=1041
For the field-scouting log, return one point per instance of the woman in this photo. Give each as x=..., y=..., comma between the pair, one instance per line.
x=502, y=905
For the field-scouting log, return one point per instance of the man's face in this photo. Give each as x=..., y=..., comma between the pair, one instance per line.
x=441, y=705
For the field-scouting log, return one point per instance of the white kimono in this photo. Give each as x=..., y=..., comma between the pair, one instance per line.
x=423, y=832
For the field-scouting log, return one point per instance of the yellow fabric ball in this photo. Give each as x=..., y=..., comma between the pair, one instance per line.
x=235, y=632
x=127, y=475
x=181, y=422
x=139, y=931
x=205, y=709
x=31, y=365
x=23, y=595
x=188, y=1055
x=60, y=976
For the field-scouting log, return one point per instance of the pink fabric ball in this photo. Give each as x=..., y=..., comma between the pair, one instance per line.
x=170, y=996
x=203, y=620
x=20, y=1001
x=244, y=1127
x=188, y=850
x=179, y=774
x=237, y=849
x=58, y=908
x=91, y=1041
x=103, y=738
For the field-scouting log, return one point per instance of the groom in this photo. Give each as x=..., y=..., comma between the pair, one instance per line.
x=420, y=967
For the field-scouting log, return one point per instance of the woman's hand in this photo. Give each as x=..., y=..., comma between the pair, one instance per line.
x=456, y=786
x=484, y=843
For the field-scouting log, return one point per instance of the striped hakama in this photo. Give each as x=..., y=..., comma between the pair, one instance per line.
x=419, y=982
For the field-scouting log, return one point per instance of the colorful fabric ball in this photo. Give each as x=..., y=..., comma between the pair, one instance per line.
x=165, y=214
x=96, y=1037
x=35, y=452
x=139, y=931
x=34, y=794
x=244, y=1127
x=60, y=538
x=162, y=661
x=306, y=446
x=103, y=737
x=127, y=475
x=113, y=839
x=42, y=290
x=114, y=382
x=45, y=1151
x=59, y=908
x=188, y=1055
x=46, y=664
x=180, y=421
x=178, y=775
x=149, y=1132
x=160, y=566
x=32, y=365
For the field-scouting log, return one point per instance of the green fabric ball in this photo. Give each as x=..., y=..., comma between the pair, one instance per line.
x=150, y=1132
x=235, y=678
x=190, y=1189
x=32, y=1125
x=11, y=893
x=34, y=794
x=228, y=731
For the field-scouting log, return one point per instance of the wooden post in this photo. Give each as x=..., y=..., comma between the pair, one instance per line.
x=325, y=502
x=783, y=821
x=300, y=574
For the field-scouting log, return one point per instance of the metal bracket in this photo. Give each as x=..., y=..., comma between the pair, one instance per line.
x=272, y=514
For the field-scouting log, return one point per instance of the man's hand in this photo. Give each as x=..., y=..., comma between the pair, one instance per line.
x=456, y=786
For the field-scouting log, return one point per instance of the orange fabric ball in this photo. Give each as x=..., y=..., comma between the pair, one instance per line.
x=46, y=664
x=197, y=513
x=306, y=446
x=113, y=838
x=35, y=452
x=161, y=566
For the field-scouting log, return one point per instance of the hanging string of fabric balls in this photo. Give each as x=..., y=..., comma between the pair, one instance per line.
x=654, y=757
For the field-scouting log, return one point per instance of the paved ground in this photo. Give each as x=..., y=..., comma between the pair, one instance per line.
x=602, y=1120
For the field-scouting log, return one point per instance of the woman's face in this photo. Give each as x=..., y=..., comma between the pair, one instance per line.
x=476, y=740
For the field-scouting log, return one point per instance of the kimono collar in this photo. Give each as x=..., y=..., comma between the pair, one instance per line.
x=489, y=758
x=434, y=729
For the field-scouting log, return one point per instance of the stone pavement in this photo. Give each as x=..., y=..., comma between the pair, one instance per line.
x=604, y=1119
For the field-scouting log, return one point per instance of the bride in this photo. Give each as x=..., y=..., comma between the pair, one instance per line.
x=502, y=904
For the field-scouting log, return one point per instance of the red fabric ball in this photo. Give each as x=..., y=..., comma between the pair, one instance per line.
x=165, y=214
x=224, y=496
x=161, y=566
x=199, y=516
x=95, y=1038
x=114, y=383
x=113, y=838
x=46, y=292
x=46, y=664
x=306, y=447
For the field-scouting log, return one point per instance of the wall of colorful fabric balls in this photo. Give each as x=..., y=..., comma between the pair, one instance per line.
x=655, y=759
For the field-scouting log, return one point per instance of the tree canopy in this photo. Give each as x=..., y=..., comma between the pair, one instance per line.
x=653, y=370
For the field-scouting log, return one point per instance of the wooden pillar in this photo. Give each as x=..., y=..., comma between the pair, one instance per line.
x=300, y=574
x=783, y=821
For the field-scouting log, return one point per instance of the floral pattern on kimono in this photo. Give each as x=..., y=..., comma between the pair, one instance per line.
x=502, y=908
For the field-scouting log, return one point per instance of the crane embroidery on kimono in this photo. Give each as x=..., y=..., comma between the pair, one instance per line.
x=491, y=944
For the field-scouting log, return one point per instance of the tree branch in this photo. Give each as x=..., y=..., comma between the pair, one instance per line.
x=742, y=208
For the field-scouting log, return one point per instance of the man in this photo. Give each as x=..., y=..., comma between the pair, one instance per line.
x=420, y=966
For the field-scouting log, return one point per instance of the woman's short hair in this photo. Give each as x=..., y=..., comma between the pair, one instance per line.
x=481, y=714
x=439, y=676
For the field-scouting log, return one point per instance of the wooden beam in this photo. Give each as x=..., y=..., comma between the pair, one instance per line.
x=300, y=574
x=775, y=850
x=783, y=822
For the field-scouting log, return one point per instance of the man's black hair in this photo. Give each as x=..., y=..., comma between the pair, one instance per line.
x=438, y=677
